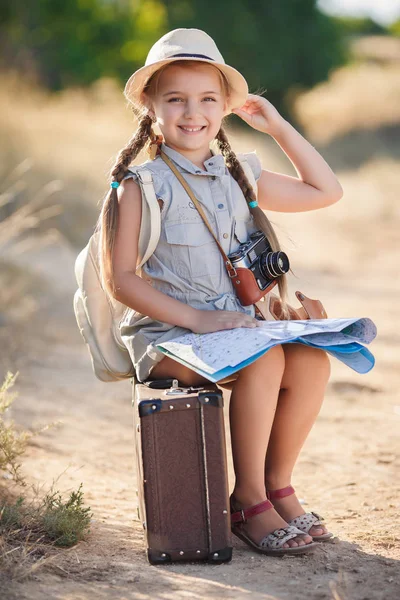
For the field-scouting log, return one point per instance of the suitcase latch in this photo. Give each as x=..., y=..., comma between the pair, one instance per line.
x=177, y=391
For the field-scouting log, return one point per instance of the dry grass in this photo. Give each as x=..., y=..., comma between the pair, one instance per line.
x=362, y=95
x=12, y=443
x=71, y=136
x=31, y=523
x=27, y=222
x=19, y=560
x=33, y=527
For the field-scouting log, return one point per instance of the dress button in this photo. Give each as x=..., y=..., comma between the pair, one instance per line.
x=198, y=172
x=211, y=164
x=225, y=235
x=213, y=178
x=220, y=206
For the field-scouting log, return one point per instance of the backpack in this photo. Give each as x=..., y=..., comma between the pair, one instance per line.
x=98, y=315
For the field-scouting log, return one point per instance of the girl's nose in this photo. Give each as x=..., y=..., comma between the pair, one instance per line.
x=190, y=108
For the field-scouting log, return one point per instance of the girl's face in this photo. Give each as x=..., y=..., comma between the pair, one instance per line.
x=189, y=105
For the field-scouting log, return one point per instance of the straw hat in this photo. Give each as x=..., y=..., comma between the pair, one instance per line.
x=186, y=44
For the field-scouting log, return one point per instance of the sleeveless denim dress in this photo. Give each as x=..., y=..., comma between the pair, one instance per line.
x=187, y=264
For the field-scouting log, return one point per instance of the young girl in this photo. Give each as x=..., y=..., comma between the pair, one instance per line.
x=187, y=89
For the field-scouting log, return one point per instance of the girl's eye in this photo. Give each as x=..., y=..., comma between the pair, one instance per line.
x=181, y=100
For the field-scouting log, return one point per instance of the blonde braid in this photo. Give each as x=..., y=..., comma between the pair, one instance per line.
x=132, y=149
x=108, y=219
x=260, y=219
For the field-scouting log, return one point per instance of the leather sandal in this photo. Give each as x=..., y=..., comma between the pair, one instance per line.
x=272, y=543
x=305, y=521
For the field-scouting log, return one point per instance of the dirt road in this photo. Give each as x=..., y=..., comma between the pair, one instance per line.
x=348, y=470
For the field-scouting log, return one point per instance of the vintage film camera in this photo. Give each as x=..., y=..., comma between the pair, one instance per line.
x=256, y=268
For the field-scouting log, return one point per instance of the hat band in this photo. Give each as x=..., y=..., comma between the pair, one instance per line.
x=192, y=56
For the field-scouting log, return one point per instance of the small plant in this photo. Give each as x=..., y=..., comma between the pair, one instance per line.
x=66, y=523
x=11, y=515
x=30, y=529
x=30, y=524
x=51, y=519
x=12, y=443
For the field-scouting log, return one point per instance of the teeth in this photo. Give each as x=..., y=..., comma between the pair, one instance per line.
x=191, y=128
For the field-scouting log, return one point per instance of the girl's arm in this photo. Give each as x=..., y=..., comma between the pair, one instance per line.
x=316, y=185
x=131, y=289
x=138, y=294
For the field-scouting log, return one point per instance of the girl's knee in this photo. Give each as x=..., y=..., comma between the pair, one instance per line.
x=320, y=361
x=274, y=358
x=303, y=360
x=269, y=367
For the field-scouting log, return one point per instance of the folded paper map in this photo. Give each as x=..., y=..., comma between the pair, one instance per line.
x=219, y=354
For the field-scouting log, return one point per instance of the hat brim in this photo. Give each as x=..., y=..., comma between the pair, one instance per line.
x=238, y=85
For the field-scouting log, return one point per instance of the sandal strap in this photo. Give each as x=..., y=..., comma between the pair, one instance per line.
x=243, y=514
x=306, y=521
x=281, y=493
x=279, y=537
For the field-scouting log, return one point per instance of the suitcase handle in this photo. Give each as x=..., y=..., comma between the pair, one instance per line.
x=162, y=384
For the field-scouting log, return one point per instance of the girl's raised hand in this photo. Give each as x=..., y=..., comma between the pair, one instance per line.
x=261, y=115
x=207, y=321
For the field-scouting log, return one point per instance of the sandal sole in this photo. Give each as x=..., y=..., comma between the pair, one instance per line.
x=279, y=551
x=322, y=538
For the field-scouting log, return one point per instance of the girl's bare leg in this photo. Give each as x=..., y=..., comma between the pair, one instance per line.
x=168, y=368
x=252, y=410
x=303, y=386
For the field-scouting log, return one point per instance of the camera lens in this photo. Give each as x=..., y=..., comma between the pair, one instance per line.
x=274, y=264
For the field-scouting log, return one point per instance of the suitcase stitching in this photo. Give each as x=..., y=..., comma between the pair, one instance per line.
x=207, y=492
x=150, y=476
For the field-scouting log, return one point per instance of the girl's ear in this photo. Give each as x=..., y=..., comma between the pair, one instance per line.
x=227, y=107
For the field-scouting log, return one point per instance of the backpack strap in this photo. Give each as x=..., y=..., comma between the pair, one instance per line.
x=150, y=227
x=248, y=171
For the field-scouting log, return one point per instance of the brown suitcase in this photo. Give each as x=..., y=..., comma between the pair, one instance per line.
x=182, y=472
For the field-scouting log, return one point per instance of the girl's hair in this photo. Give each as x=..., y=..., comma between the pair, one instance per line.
x=108, y=220
x=260, y=219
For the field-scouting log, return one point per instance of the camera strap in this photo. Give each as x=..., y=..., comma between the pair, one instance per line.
x=228, y=265
x=243, y=279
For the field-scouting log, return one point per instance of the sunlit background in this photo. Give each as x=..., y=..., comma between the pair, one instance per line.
x=331, y=67
x=384, y=12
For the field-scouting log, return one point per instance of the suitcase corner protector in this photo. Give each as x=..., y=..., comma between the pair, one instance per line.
x=148, y=407
x=211, y=398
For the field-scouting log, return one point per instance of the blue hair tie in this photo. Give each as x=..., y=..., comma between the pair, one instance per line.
x=114, y=184
x=253, y=203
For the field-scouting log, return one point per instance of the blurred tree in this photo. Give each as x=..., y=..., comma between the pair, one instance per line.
x=62, y=43
x=395, y=28
x=279, y=45
x=360, y=26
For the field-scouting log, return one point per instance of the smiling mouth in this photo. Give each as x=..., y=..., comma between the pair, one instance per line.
x=191, y=130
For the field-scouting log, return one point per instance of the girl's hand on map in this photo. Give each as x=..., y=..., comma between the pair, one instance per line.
x=207, y=321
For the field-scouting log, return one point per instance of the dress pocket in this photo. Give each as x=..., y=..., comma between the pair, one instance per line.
x=193, y=248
